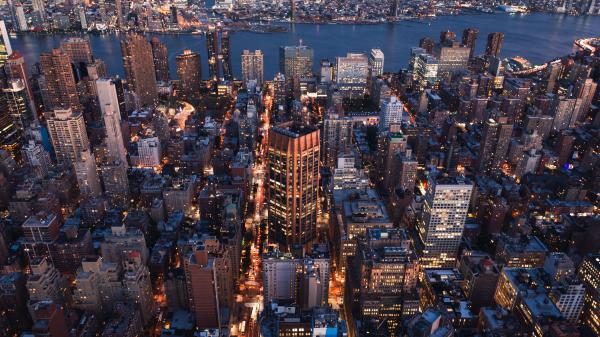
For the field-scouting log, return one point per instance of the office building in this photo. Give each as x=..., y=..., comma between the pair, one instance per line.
x=293, y=189
x=86, y=172
x=138, y=62
x=442, y=223
x=568, y=296
x=68, y=135
x=296, y=61
x=326, y=72
x=494, y=44
x=521, y=252
x=16, y=69
x=21, y=18
x=351, y=74
x=59, y=90
x=160, y=56
x=189, y=72
x=252, y=66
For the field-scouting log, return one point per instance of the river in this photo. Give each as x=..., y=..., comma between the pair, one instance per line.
x=537, y=37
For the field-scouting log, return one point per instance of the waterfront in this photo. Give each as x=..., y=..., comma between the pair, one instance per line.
x=538, y=37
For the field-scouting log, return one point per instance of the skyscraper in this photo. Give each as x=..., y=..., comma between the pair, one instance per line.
x=495, y=140
x=189, y=73
x=376, y=60
x=252, y=66
x=68, y=135
x=225, y=55
x=293, y=193
x=5, y=48
x=138, y=62
x=469, y=37
x=296, y=61
x=494, y=44
x=442, y=222
x=16, y=69
x=78, y=49
x=21, y=18
x=392, y=111
x=352, y=72
x=36, y=158
x=17, y=104
x=447, y=37
x=212, y=47
x=59, y=90
x=111, y=114
x=161, y=59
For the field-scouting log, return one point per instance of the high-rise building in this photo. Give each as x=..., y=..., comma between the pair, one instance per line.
x=138, y=62
x=494, y=44
x=111, y=114
x=17, y=70
x=160, y=56
x=296, y=61
x=469, y=37
x=202, y=288
x=352, y=72
x=149, y=151
x=36, y=158
x=326, y=71
x=589, y=273
x=392, y=112
x=59, y=89
x=137, y=286
x=252, y=66
x=45, y=282
x=17, y=104
x=280, y=272
x=225, y=56
x=13, y=303
x=21, y=18
x=5, y=47
x=408, y=172
x=293, y=190
x=337, y=137
x=189, y=73
x=495, y=140
x=447, y=37
x=442, y=223
x=68, y=135
x=79, y=50
x=376, y=61
x=212, y=47
x=39, y=8
x=86, y=172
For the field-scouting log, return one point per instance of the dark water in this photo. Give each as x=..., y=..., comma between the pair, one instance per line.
x=538, y=37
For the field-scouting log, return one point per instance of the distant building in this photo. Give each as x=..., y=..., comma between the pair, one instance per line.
x=138, y=62
x=189, y=72
x=351, y=74
x=252, y=67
